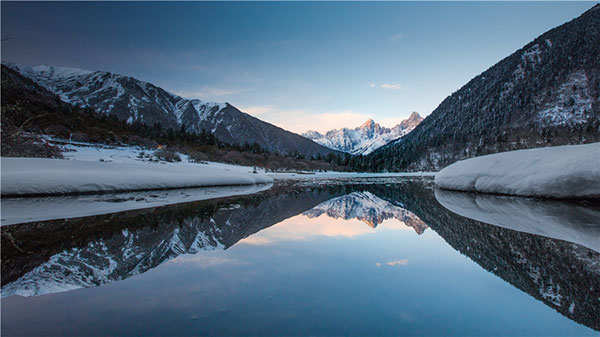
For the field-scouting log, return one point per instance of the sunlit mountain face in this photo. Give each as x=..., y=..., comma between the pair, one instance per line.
x=365, y=138
x=395, y=253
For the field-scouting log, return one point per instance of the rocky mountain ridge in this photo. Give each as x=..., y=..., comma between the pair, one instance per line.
x=136, y=101
x=365, y=138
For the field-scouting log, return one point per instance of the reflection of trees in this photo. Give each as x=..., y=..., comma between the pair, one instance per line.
x=562, y=275
x=90, y=251
x=565, y=276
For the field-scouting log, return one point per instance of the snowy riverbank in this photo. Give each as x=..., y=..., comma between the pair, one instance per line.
x=30, y=176
x=571, y=171
x=90, y=168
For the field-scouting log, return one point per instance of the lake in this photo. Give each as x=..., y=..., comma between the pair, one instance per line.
x=347, y=257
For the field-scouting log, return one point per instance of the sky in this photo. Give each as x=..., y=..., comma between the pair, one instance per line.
x=299, y=65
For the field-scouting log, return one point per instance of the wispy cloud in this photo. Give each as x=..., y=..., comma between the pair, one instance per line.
x=205, y=261
x=301, y=120
x=393, y=263
x=208, y=93
x=257, y=110
x=392, y=86
x=397, y=263
x=302, y=228
x=397, y=37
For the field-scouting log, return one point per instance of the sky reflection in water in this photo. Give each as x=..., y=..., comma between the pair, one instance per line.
x=308, y=274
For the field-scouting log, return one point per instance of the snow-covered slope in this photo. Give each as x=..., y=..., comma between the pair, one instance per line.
x=367, y=207
x=133, y=100
x=27, y=176
x=568, y=171
x=365, y=138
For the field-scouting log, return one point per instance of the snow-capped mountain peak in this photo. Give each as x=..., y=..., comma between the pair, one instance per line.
x=365, y=138
x=136, y=101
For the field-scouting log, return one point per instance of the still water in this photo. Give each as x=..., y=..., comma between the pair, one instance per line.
x=387, y=257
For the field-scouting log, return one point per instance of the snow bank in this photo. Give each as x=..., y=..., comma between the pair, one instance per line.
x=28, y=176
x=561, y=220
x=569, y=171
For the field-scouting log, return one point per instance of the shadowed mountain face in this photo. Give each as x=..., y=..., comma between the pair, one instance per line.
x=53, y=256
x=546, y=93
x=132, y=100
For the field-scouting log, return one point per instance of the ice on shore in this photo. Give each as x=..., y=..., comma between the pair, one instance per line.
x=570, y=171
x=21, y=210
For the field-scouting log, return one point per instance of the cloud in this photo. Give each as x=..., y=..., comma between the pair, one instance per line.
x=302, y=228
x=258, y=110
x=208, y=93
x=301, y=120
x=397, y=37
x=393, y=263
x=205, y=261
x=393, y=86
x=397, y=263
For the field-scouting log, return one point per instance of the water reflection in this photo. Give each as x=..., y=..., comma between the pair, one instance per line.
x=56, y=256
x=577, y=222
x=30, y=209
x=367, y=207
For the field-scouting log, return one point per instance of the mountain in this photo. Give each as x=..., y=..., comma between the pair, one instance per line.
x=561, y=274
x=133, y=101
x=547, y=93
x=367, y=207
x=365, y=138
x=96, y=250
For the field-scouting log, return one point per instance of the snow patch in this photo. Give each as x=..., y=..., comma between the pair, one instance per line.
x=572, y=104
x=27, y=176
x=568, y=171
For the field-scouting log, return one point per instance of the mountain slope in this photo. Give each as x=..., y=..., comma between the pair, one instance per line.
x=546, y=93
x=365, y=138
x=133, y=100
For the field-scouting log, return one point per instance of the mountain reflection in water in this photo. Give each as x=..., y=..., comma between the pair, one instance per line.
x=61, y=255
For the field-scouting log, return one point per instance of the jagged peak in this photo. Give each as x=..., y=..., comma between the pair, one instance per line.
x=369, y=124
x=415, y=115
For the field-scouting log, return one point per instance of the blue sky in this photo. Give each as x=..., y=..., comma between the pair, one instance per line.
x=299, y=65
